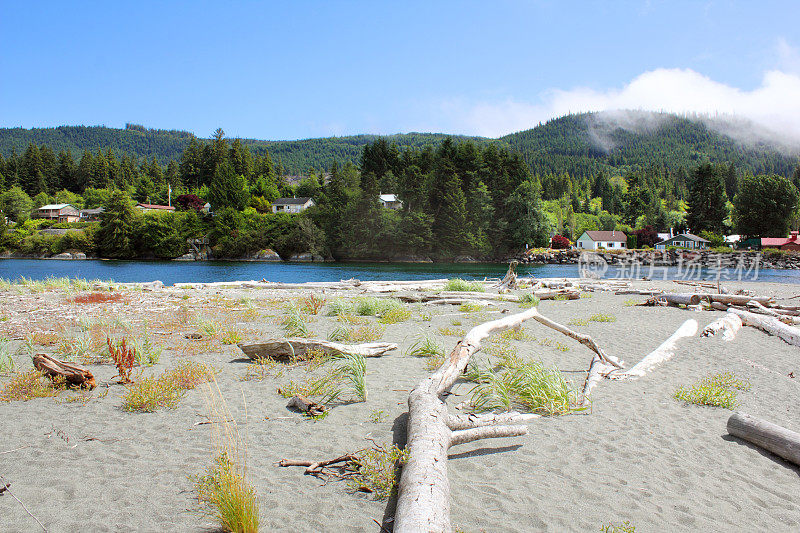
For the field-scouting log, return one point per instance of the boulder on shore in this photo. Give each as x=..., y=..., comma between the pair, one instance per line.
x=266, y=255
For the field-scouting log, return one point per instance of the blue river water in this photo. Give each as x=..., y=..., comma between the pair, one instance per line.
x=170, y=272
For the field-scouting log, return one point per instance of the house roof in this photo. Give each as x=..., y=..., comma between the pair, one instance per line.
x=155, y=206
x=55, y=206
x=292, y=201
x=607, y=236
x=95, y=211
x=389, y=198
x=683, y=237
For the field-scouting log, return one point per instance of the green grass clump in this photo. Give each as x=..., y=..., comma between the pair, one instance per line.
x=231, y=336
x=452, y=332
x=528, y=300
x=25, y=386
x=230, y=497
x=469, y=307
x=600, y=317
x=395, y=315
x=348, y=373
x=718, y=390
x=425, y=347
x=523, y=386
x=166, y=389
x=377, y=471
x=461, y=285
x=6, y=361
x=294, y=323
x=356, y=334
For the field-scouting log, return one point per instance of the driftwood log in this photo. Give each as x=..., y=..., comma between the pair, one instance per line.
x=423, y=502
x=661, y=354
x=286, y=349
x=509, y=281
x=728, y=325
x=770, y=325
x=776, y=439
x=301, y=403
x=72, y=374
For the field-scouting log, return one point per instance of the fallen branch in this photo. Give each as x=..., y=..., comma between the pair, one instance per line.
x=286, y=349
x=72, y=374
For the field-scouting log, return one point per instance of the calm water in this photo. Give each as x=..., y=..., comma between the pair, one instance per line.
x=171, y=272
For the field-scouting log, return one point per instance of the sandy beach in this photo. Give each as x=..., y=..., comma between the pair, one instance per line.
x=80, y=463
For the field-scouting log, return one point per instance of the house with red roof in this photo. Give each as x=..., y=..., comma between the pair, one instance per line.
x=782, y=243
x=155, y=208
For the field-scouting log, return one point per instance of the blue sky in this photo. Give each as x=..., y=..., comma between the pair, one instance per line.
x=288, y=70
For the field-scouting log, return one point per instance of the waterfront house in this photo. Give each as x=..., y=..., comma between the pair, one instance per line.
x=291, y=205
x=684, y=240
x=59, y=212
x=155, y=208
x=782, y=243
x=608, y=240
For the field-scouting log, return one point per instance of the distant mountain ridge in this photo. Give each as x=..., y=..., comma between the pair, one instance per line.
x=581, y=144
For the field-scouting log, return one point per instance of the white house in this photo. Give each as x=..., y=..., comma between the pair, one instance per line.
x=291, y=205
x=609, y=240
x=684, y=240
x=390, y=201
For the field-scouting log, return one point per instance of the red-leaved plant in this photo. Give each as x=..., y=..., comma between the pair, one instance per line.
x=124, y=359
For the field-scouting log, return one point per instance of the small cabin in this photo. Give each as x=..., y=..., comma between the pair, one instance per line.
x=291, y=205
x=88, y=215
x=684, y=240
x=390, y=201
x=59, y=212
x=606, y=240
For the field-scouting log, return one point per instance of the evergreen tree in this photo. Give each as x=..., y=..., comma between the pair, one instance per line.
x=115, y=236
x=764, y=206
x=228, y=189
x=706, y=200
x=530, y=224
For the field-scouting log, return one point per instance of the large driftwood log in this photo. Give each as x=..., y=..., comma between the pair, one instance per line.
x=286, y=349
x=675, y=299
x=72, y=374
x=776, y=439
x=757, y=308
x=728, y=325
x=770, y=325
x=661, y=354
x=423, y=502
x=737, y=299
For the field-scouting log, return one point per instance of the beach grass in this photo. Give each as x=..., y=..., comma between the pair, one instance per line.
x=718, y=390
x=462, y=285
x=24, y=386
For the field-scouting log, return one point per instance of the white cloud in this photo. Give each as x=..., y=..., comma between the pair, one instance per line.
x=774, y=104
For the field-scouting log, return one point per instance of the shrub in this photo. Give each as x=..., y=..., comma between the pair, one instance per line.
x=559, y=242
x=166, y=390
x=393, y=316
x=25, y=386
x=624, y=527
x=460, y=285
x=718, y=390
x=313, y=304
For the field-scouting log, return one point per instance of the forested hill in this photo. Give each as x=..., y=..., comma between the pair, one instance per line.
x=580, y=145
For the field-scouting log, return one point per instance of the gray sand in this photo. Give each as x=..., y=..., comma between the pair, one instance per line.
x=638, y=455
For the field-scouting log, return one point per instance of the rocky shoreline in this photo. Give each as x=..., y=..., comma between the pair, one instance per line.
x=670, y=258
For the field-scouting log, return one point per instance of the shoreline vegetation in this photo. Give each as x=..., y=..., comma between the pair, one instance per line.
x=188, y=398
x=457, y=200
